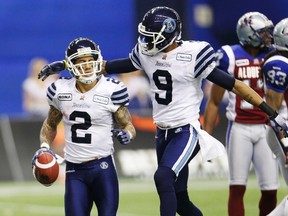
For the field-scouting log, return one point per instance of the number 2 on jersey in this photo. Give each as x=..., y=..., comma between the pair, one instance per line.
x=81, y=126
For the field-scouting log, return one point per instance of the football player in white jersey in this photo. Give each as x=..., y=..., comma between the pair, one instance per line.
x=176, y=69
x=246, y=141
x=275, y=70
x=93, y=109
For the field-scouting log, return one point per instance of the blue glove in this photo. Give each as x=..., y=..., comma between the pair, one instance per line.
x=44, y=148
x=123, y=136
x=52, y=68
x=278, y=122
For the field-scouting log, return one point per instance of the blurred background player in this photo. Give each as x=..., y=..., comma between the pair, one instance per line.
x=89, y=105
x=176, y=69
x=34, y=90
x=275, y=70
x=245, y=139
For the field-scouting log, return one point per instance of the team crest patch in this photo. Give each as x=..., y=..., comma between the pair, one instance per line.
x=64, y=97
x=104, y=165
x=170, y=25
x=100, y=99
x=184, y=57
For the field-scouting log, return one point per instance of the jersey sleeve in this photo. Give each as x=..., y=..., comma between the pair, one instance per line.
x=205, y=60
x=51, y=94
x=222, y=60
x=120, y=95
x=275, y=71
x=134, y=56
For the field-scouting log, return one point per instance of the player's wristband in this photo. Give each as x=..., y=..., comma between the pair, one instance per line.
x=268, y=110
x=130, y=134
x=285, y=141
x=45, y=145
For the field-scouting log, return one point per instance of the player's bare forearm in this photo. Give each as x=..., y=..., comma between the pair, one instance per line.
x=49, y=128
x=212, y=107
x=124, y=121
x=274, y=99
x=247, y=93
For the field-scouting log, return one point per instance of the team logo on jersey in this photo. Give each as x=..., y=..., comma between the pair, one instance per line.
x=104, y=165
x=242, y=62
x=64, y=97
x=184, y=57
x=100, y=99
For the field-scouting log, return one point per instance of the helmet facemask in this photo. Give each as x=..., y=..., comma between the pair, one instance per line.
x=85, y=72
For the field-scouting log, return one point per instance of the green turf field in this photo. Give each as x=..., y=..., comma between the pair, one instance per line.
x=137, y=198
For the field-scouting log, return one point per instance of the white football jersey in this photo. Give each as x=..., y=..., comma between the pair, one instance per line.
x=176, y=80
x=88, y=117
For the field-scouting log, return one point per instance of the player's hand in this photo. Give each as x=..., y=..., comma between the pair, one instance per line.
x=278, y=122
x=52, y=68
x=123, y=136
x=44, y=148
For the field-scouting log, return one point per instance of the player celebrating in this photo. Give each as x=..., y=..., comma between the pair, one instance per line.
x=245, y=139
x=176, y=69
x=275, y=70
x=88, y=104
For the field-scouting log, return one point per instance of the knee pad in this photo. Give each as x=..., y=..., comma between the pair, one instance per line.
x=164, y=179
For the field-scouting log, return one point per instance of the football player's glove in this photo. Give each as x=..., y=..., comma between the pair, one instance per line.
x=44, y=148
x=123, y=136
x=52, y=68
x=278, y=122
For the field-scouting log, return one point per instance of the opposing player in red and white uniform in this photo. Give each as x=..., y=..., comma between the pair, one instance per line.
x=176, y=69
x=246, y=142
x=93, y=109
x=275, y=70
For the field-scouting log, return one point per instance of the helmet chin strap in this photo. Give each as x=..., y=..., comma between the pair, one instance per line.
x=91, y=79
x=88, y=80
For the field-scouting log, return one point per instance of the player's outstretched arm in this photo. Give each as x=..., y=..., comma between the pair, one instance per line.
x=252, y=97
x=52, y=68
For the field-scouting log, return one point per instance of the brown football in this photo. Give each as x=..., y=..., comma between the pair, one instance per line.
x=46, y=168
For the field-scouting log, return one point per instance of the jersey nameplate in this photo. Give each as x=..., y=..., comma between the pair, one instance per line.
x=242, y=62
x=100, y=99
x=184, y=57
x=64, y=97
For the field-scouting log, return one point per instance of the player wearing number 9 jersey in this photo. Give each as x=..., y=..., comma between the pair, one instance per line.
x=246, y=133
x=90, y=106
x=176, y=69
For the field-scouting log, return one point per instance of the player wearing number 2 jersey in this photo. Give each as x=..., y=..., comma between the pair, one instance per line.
x=246, y=134
x=176, y=70
x=90, y=105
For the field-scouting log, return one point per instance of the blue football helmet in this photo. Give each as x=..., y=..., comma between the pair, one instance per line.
x=280, y=35
x=160, y=27
x=82, y=47
x=255, y=29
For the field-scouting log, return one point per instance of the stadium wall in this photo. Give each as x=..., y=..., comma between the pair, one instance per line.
x=19, y=139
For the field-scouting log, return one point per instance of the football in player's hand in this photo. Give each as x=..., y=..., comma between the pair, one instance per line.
x=46, y=168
